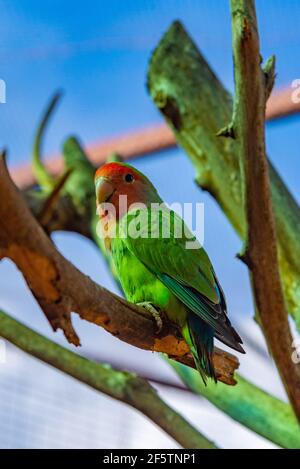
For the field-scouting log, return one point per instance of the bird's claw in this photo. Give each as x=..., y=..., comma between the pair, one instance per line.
x=148, y=306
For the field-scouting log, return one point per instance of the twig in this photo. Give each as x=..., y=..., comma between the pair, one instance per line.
x=51, y=200
x=272, y=418
x=281, y=419
x=61, y=289
x=43, y=176
x=146, y=141
x=123, y=386
x=252, y=86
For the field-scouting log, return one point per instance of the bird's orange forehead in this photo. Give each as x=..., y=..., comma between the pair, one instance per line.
x=115, y=169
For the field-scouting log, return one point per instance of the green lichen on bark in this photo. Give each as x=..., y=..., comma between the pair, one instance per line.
x=124, y=386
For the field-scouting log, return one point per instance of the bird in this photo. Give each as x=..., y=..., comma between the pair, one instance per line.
x=156, y=268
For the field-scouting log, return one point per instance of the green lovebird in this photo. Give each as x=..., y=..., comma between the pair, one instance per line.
x=157, y=268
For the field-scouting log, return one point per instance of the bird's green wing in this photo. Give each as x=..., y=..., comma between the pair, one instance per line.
x=188, y=273
x=163, y=242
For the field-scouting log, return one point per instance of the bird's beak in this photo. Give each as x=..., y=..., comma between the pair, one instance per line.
x=104, y=189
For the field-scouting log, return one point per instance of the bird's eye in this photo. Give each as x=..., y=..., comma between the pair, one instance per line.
x=129, y=177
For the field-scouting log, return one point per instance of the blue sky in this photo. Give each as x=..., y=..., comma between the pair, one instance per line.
x=97, y=52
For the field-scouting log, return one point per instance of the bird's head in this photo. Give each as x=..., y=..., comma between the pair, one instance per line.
x=114, y=180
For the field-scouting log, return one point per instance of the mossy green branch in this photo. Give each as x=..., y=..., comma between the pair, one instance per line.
x=123, y=386
x=81, y=190
x=196, y=106
x=249, y=405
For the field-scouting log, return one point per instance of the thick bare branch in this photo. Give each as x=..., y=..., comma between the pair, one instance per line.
x=61, y=289
x=251, y=90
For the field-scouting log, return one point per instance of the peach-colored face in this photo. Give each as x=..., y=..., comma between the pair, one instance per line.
x=113, y=180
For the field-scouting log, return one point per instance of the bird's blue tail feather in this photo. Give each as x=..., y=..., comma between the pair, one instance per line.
x=202, y=337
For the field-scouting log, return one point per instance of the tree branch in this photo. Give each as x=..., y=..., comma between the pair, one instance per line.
x=196, y=106
x=61, y=289
x=123, y=386
x=251, y=89
x=43, y=176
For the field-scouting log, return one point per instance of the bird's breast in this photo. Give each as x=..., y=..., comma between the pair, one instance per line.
x=138, y=283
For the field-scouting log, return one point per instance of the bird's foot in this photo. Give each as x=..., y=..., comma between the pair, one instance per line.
x=148, y=306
